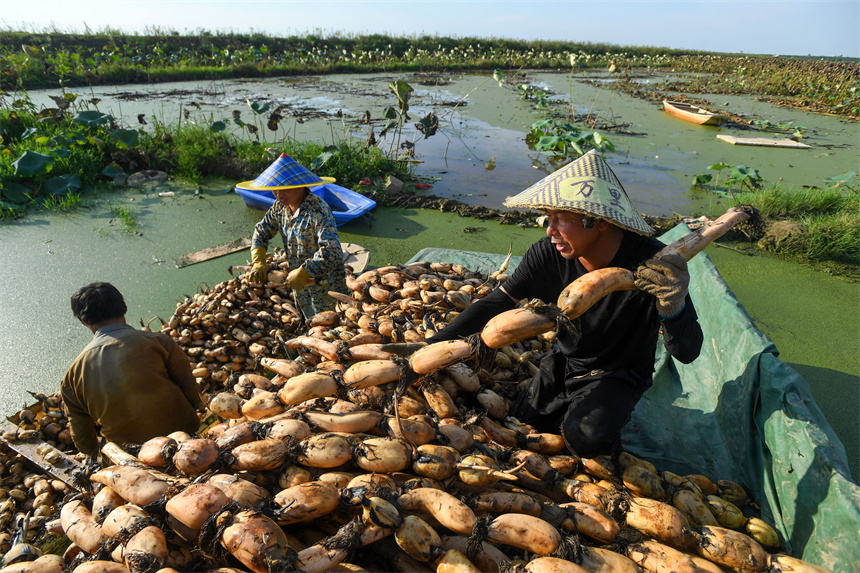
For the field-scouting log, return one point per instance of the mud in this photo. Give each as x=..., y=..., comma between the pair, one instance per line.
x=519, y=218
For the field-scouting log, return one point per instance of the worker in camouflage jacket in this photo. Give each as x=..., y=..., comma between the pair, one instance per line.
x=309, y=231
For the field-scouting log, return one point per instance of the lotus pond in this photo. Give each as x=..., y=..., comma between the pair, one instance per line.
x=478, y=155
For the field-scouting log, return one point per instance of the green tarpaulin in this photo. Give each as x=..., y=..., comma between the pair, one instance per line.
x=739, y=413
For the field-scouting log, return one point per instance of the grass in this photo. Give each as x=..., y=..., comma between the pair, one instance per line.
x=832, y=237
x=62, y=203
x=781, y=202
x=126, y=216
x=816, y=224
x=196, y=152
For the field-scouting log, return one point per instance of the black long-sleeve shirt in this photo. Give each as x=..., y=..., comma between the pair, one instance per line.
x=618, y=332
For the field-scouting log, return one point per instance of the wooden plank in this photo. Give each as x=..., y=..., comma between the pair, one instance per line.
x=763, y=142
x=213, y=252
x=66, y=469
x=356, y=256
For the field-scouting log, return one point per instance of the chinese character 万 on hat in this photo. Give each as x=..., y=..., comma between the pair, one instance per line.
x=586, y=185
x=285, y=173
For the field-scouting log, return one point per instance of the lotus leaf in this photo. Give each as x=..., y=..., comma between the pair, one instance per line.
x=32, y=163
x=402, y=90
x=843, y=179
x=543, y=124
x=547, y=142
x=12, y=206
x=703, y=179
x=69, y=138
x=258, y=107
x=124, y=138
x=92, y=118
x=62, y=184
x=112, y=170
x=320, y=160
x=15, y=192
x=391, y=124
x=746, y=175
x=428, y=125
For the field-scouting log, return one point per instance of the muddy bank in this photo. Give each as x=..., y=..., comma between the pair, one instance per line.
x=445, y=205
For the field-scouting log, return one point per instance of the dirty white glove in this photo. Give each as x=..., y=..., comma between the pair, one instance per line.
x=667, y=279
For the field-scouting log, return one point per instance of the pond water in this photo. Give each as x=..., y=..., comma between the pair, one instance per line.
x=480, y=121
x=813, y=317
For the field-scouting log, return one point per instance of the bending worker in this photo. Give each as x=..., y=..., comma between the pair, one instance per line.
x=308, y=228
x=132, y=385
x=587, y=388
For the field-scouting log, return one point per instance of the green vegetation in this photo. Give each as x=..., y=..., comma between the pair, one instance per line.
x=33, y=60
x=813, y=85
x=845, y=180
x=52, y=158
x=126, y=216
x=49, y=158
x=741, y=175
x=563, y=139
x=62, y=204
x=814, y=223
x=819, y=224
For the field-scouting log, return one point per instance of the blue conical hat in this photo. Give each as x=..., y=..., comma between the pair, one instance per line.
x=586, y=185
x=285, y=173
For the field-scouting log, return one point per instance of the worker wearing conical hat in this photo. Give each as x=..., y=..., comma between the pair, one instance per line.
x=588, y=386
x=309, y=231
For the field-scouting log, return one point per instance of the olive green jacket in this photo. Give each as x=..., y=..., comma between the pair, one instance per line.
x=132, y=385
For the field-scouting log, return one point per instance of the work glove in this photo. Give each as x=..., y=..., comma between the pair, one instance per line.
x=298, y=278
x=667, y=279
x=259, y=269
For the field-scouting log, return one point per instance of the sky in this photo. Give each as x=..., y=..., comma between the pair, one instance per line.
x=786, y=27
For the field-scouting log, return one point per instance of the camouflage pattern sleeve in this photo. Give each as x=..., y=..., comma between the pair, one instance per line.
x=311, y=239
x=327, y=259
x=267, y=228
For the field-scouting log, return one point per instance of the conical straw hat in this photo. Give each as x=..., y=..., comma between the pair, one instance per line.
x=586, y=185
x=285, y=173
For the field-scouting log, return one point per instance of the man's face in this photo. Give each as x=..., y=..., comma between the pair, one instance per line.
x=570, y=238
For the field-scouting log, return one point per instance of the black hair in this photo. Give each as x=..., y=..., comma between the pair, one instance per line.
x=98, y=302
x=588, y=221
